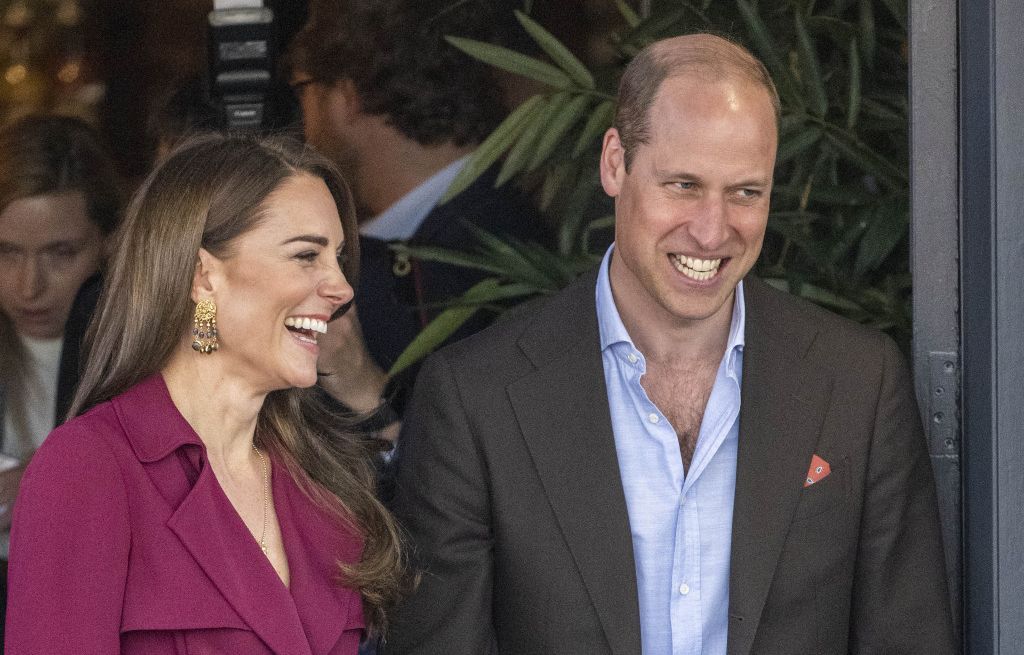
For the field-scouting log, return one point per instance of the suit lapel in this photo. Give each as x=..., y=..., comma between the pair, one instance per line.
x=562, y=409
x=784, y=398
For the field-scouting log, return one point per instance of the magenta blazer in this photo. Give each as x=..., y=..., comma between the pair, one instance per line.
x=124, y=542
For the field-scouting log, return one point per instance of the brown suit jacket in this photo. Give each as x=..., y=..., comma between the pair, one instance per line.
x=509, y=486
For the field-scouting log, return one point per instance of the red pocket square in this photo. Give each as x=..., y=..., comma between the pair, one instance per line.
x=819, y=471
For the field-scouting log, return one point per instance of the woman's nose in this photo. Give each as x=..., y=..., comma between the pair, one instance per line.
x=31, y=278
x=335, y=288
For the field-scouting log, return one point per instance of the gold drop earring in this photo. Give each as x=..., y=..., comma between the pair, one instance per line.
x=204, y=327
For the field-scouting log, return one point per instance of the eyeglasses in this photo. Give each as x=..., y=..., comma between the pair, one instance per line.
x=298, y=85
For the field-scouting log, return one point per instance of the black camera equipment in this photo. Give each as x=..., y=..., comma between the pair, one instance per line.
x=242, y=53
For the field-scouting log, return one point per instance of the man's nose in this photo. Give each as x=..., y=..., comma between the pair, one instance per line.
x=710, y=226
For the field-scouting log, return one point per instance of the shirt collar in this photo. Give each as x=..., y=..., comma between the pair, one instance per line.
x=400, y=221
x=613, y=331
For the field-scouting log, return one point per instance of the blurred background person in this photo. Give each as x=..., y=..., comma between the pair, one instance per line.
x=60, y=199
x=400, y=111
x=184, y=109
x=200, y=501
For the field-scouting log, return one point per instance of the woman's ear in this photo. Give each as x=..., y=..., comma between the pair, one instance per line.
x=204, y=280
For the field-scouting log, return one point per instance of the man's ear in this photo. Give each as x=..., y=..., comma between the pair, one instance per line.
x=342, y=100
x=205, y=278
x=613, y=163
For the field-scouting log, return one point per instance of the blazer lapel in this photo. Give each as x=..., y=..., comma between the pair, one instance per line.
x=562, y=409
x=204, y=520
x=218, y=540
x=785, y=394
x=315, y=543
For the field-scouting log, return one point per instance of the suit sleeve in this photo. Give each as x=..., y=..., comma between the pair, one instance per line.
x=900, y=596
x=69, y=550
x=442, y=502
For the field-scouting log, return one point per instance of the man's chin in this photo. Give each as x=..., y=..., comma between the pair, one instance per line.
x=699, y=308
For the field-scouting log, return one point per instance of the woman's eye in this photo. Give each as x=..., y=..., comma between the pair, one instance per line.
x=308, y=256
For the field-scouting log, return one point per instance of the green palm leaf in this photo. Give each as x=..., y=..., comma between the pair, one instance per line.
x=492, y=148
x=564, y=59
x=512, y=61
x=562, y=121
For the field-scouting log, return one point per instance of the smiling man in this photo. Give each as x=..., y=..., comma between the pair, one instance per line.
x=693, y=462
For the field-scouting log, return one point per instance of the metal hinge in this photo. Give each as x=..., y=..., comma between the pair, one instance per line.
x=943, y=423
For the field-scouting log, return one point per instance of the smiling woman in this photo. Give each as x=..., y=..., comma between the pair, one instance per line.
x=203, y=500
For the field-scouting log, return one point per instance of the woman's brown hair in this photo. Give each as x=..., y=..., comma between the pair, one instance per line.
x=208, y=192
x=42, y=155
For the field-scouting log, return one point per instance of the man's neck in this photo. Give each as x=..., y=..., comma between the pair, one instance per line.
x=668, y=339
x=391, y=165
x=682, y=343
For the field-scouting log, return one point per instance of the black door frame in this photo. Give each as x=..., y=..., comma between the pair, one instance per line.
x=967, y=258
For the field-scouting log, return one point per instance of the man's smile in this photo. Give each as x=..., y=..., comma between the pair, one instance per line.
x=695, y=268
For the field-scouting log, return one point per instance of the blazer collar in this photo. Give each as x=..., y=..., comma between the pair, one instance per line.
x=211, y=531
x=785, y=393
x=444, y=217
x=567, y=428
x=154, y=426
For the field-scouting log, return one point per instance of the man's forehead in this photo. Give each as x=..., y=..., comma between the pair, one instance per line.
x=725, y=97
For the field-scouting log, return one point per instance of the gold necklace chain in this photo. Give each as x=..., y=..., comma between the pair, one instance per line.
x=266, y=495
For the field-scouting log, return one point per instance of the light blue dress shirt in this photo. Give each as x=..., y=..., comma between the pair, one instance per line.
x=681, y=524
x=401, y=220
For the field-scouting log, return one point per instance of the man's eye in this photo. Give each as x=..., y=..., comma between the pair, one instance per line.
x=685, y=186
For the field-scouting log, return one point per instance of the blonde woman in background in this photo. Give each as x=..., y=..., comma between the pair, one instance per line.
x=59, y=201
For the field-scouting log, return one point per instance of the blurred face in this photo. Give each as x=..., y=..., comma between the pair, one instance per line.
x=48, y=247
x=324, y=116
x=692, y=210
x=278, y=287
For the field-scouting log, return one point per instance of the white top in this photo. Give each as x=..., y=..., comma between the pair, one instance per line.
x=41, y=396
x=44, y=368
x=401, y=220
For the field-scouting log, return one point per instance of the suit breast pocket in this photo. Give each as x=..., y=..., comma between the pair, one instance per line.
x=830, y=495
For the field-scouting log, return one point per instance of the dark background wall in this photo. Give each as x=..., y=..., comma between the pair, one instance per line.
x=140, y=48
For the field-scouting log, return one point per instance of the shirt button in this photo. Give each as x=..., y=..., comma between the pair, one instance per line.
x=632, y=358
x=652, y=417
x=684, y=589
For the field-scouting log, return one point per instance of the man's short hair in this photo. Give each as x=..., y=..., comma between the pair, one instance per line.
x=395, y=54
x=712, y=56
x=181, y=111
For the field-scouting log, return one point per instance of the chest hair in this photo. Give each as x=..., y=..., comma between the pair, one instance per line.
x=681, y=391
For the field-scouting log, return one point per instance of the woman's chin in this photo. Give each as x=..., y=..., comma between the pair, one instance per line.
x=303, y=379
